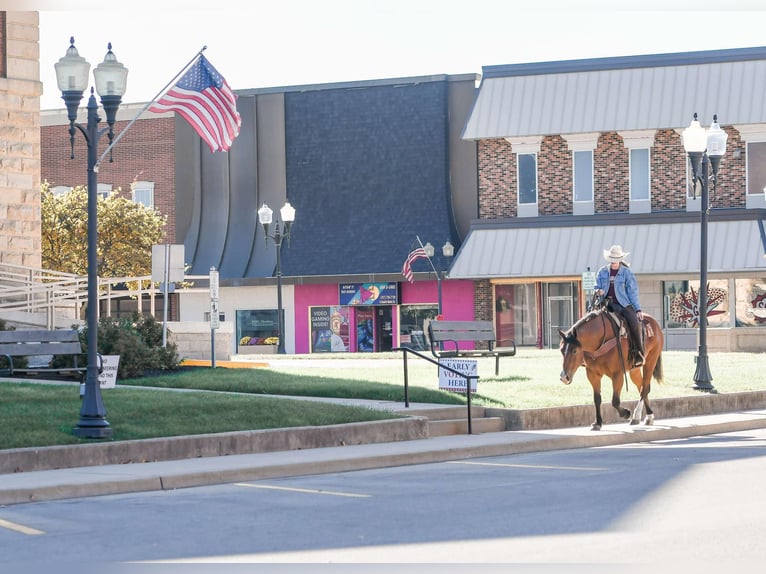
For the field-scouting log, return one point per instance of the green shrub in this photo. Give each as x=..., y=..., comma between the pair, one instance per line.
x=138, y=342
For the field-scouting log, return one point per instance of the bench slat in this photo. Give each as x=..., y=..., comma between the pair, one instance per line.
x=473, y=331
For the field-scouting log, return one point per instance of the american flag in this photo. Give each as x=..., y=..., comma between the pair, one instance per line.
x=204, y=99
x=415, y=254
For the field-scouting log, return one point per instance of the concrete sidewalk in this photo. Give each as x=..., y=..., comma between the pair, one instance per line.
x=165, y=475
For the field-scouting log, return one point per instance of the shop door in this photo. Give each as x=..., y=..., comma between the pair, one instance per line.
x=559, y=308
x=384, y=340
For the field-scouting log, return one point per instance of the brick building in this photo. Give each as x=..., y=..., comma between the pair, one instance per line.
x=575, y=156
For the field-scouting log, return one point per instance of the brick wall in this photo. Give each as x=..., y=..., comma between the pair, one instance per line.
x=145, y=153
x=498, y=185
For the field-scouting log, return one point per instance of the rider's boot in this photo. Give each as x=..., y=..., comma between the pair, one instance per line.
x=634, y=326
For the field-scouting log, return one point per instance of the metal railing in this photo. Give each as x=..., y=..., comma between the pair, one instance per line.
x=46, y=295
x=467, y=378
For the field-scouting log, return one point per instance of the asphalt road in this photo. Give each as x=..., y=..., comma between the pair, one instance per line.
x=693, y=503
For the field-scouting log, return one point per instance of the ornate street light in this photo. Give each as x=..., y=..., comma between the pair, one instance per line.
x=265, y=215
x=448, y=250
x=110, y=79
x=705, y=149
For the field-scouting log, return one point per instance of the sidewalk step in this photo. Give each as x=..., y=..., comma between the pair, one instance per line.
x=479, y=425
x=445, y=413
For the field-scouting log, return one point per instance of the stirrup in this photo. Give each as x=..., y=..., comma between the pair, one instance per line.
x=640, y=359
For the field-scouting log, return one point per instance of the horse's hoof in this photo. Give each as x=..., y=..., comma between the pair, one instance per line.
x=634, y=422
x=649, y=420
x=595, y=426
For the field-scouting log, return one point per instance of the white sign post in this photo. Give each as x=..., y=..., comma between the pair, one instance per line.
x=449, y=381
x=215, y=319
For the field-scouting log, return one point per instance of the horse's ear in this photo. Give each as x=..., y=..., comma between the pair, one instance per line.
x=563, y=335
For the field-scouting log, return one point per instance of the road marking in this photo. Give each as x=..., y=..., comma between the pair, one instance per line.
x=587, y=468
x=20, y=528
x=306, y=490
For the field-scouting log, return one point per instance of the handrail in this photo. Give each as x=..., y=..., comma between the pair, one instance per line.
x=438, y=364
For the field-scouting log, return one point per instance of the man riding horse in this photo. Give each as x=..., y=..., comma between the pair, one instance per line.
x=618, y=284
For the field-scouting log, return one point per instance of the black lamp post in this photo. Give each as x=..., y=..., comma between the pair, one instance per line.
x=705, y=148
x=288, y=217
x=110, y=78
x=448, y=250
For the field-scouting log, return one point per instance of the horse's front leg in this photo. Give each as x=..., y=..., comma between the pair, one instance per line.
x=595, y=382
x=617, y=381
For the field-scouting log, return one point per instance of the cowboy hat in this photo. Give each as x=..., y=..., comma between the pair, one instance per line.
x=615, y=253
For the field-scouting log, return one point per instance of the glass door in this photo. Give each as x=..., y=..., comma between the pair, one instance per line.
x=559, y=304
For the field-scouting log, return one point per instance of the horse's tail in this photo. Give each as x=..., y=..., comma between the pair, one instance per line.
x=657, y=374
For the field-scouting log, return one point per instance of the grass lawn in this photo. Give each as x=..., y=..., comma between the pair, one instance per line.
x=34, y=414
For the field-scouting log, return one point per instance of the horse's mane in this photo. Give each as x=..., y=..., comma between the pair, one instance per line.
x=570, y=336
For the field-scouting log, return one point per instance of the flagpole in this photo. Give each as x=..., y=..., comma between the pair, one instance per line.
x=149, y=103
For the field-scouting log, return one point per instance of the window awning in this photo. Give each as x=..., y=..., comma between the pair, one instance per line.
x=496, y=251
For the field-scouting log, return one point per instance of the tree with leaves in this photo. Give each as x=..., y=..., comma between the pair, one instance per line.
x=126, y=232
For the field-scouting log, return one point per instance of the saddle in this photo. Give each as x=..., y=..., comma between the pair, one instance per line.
x=624, y=333
x=619, y=325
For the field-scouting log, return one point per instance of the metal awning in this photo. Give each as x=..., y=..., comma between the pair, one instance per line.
x=614, y=94
x=504, y=251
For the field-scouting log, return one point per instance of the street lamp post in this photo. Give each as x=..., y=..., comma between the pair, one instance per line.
x=110, y=78
x=705, y=149
x=265, y=215
x=448, y=250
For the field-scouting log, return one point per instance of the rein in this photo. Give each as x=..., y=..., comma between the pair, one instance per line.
x=604, y=347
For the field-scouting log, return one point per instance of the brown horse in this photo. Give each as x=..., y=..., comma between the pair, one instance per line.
x=592, y=342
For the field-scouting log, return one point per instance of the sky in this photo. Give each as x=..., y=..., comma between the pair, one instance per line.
x=262, y=44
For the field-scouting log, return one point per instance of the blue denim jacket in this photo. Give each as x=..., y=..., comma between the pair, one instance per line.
x=625, y=285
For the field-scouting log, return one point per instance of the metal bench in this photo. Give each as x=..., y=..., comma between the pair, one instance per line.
x=39, y=342
x=441, y=332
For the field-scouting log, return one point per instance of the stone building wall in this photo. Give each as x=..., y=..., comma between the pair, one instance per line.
x=20, y=90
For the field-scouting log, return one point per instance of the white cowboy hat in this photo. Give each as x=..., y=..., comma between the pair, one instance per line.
x=615, y=253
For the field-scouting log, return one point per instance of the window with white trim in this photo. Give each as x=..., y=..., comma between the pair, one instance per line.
x=143, y=192
x=639, y=174
x=104, y=190
x=527, y=178
x=60, y=190
x=582, y=162
x=756, y=168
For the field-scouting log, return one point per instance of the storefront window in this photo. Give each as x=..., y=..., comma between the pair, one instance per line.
x=329, y=329
x=257, y=327
x=515, y=314
x=413, y=325
x=751, y=302
x=682, y=298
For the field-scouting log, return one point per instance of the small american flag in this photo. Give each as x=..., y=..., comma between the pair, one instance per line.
x=204, y=99
x=415, y=254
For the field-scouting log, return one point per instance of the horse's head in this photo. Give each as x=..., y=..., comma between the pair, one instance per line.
x=572, y=353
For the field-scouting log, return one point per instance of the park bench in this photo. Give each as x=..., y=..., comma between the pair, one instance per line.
x=38, y=342
x=454, y=332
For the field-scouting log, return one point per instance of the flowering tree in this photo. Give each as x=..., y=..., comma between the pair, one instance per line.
x=126, y=233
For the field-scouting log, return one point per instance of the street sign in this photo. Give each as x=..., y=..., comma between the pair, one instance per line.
x=215, y=319
x=213, y=283
x=449, y=381
x=588, y=280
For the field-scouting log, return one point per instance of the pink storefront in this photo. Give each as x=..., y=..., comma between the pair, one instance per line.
x=374, y=317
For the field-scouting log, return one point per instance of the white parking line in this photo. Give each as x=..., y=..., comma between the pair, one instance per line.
x=305, y=490
x=586, y=468
x=20, y=528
